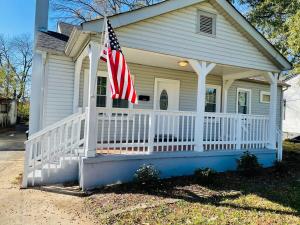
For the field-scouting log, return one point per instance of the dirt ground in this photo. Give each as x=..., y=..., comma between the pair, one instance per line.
x=34, y=206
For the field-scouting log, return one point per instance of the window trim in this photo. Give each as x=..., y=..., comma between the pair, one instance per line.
x=208, y=14
x=261, y=96
x=250, y=99
x=109, y=100
x=218, y=96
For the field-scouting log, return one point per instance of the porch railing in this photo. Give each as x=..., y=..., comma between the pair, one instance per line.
x=136, y=131
x=125, y=131
x=224, y=131
x=45, y=148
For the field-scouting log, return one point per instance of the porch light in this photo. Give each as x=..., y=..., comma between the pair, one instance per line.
x=183, y=63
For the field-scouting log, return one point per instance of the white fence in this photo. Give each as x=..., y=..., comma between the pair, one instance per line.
x=224, y=131
x=135, y=131
x=138, y=131
x=45, y=148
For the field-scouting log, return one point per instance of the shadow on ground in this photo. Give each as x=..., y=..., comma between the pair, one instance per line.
x=278, y=186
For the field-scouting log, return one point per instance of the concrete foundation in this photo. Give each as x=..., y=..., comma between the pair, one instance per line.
x=111, y=169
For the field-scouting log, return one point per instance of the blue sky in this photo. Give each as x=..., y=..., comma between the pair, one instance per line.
x=17, y=17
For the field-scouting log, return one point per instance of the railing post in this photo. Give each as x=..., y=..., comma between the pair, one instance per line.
x=239, y=132
x=26, y=164
x=151, y=132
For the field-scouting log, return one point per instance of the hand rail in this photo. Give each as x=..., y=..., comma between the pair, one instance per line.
x=45, y=147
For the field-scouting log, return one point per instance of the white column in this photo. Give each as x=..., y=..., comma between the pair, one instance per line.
x=202, y=69
x=91, y=120
x=226, y=86
x=36, y=95
x=273, y=111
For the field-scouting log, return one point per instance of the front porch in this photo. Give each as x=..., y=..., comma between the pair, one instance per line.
x=135, y=130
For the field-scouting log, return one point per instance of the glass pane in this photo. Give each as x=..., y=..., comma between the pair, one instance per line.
x=163, y=102
x=266, y=98
x=101, y=101
x=101, y=91
x=211, y=95
x=120, y=103
x=243, y=109
x=242, y=98
x=210, y=107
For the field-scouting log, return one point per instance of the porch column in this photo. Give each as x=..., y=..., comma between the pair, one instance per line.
x=272, y=78
x=78, y=65
x=91, y=117
x=202, y=69
x=226, y=86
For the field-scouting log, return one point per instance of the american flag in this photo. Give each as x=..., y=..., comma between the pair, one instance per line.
x=121, y=83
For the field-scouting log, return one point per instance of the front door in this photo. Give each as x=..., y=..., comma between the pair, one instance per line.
x=167, y=99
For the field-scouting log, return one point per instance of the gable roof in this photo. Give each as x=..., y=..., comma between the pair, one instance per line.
x=126, y=18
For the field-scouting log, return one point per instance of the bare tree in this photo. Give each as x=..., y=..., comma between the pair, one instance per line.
x=15, y=65
x=77, y=11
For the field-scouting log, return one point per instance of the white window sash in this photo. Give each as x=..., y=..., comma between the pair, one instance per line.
x=249, y=99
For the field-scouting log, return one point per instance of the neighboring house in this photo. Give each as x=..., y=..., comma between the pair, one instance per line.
x=8, y=112
x=291, y=110
x=207, y=88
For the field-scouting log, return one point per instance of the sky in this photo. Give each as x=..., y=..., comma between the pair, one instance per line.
x=17, y=17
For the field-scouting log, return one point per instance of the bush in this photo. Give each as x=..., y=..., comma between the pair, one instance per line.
x=248, y=165
x=205, y=176
x=281, y=167
x=146, y=175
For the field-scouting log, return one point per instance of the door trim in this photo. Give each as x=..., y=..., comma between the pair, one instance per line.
x=175, y=82
x=250, y=99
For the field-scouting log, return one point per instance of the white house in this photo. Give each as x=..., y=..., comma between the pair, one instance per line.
x=207, y=87
x=291, y=110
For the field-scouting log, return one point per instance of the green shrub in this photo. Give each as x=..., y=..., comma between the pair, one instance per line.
x=146, y=175
x=248, y=165
x=205, y=176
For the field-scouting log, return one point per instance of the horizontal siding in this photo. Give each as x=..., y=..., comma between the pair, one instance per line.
x=60, y=91
x=144, y=78
x=175, y=33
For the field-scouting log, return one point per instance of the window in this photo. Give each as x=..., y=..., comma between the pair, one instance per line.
x=243, y=101
x=163, y=101
x=265, y=97
x=103, y=98
x=212, y=98
x=206, y=23
x=101, y=91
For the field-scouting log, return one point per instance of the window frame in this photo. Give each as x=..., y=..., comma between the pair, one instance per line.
x=109, y=101
x=218, y=97
x=249, y=102
x=261, y=97
x=214, y=24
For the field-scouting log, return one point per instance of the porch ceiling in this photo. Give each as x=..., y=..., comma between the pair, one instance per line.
x=171, y=62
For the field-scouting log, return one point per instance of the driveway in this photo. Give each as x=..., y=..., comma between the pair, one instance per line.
x=32, y=206
x=12, y=139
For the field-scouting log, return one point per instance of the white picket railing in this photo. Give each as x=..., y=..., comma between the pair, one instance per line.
x=138, y=131
x=135, y=131
x=225, y=131
x=46, y=147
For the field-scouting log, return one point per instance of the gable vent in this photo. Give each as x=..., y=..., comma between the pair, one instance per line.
x=207, y=23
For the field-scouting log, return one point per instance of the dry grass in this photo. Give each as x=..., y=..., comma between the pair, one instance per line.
x=272, y=197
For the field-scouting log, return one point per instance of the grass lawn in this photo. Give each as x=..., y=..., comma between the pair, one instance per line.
x=272, y=197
